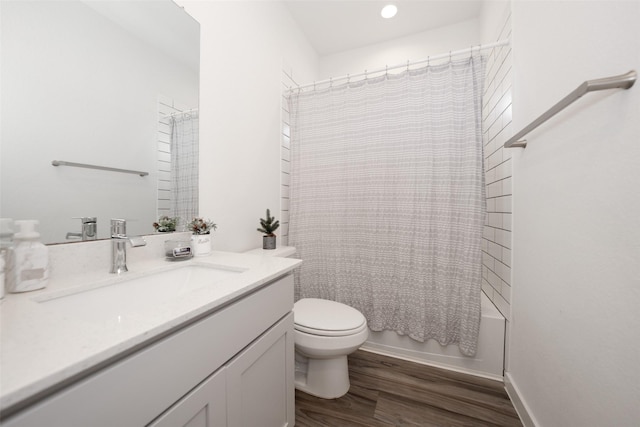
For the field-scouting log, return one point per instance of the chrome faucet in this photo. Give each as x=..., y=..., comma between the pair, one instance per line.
x=119, y=241
x=89, y=229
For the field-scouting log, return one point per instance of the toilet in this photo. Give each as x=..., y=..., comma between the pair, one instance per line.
x=325, y=333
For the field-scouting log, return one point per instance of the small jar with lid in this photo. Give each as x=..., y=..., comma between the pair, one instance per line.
x=175, y=250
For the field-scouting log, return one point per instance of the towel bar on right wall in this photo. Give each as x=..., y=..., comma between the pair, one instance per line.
x=624, y=81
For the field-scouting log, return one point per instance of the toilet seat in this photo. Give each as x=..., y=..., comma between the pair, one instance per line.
x=327, y=318
x=326, y=333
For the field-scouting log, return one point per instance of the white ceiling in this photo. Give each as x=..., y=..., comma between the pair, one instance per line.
x=337, y=25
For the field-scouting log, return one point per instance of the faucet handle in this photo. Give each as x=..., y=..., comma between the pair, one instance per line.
x=86, y=219
x=118, y=227
x=137, y=241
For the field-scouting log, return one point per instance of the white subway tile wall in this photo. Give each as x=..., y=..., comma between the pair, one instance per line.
x=496, y=125
x=166, y=106
x=285, y=150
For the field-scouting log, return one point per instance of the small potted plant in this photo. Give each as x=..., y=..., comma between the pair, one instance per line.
x=201, y=237
x=166, y=224
x=269, y=225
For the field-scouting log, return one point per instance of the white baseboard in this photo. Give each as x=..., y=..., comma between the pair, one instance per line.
x=518, y=403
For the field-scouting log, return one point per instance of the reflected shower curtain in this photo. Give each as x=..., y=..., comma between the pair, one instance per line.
x=184, y=166
x=387, y=199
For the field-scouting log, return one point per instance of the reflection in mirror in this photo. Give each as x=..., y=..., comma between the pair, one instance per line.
x=97, y=83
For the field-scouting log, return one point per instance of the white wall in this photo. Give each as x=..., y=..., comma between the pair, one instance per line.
x=398, y=51
x=574, y=351
x=496, y=129
x=243, y=46
x=492, y=19
x=285, y=149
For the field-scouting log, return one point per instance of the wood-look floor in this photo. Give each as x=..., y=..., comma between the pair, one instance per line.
x=390, y=392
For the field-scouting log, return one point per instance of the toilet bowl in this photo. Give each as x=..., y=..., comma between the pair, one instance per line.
x=325, y=333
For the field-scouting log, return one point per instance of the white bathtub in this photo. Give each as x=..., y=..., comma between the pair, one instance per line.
x=488, y=361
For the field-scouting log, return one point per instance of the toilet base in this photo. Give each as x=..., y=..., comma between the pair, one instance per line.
x=324, y=378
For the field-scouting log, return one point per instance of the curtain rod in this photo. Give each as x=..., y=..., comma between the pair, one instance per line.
x=407, y=64
x=175, y=113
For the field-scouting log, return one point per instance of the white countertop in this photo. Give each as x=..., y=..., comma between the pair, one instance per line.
x=41, y=346
x=280, y=251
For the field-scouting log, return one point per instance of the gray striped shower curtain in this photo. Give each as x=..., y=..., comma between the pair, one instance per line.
x=387, y=199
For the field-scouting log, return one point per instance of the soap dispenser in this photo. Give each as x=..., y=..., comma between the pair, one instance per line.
x=28, y=259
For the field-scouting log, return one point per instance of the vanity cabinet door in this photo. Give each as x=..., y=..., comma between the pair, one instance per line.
x=204, y=406
x=260, y=380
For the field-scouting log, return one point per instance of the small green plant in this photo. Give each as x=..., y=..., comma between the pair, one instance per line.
x=269, y=225
x=201, y=226
x=166, y=223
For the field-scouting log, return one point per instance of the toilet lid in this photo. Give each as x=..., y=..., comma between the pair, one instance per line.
x=324, y=317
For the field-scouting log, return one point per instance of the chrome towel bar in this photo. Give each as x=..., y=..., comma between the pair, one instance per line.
x=624, y=81
x=104, y=168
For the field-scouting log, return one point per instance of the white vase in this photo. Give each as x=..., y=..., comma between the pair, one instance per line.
x=201, y=244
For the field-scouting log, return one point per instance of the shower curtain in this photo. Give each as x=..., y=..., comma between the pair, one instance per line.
x=184, y=167
x=387, y=199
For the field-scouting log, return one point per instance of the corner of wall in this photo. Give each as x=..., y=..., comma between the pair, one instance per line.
x=496, y=117
x=518, y=403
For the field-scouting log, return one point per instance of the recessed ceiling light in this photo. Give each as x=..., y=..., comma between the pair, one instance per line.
x=389, y=11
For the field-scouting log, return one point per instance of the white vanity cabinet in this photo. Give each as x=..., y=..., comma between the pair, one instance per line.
x=233, y=367
x=204, y=406
x=253, y=389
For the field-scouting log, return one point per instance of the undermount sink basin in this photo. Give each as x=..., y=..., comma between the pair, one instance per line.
x=120, y=298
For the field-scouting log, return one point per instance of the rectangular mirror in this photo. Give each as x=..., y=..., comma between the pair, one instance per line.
x=92, y=82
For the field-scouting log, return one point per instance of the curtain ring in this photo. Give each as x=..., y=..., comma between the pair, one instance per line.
x=366, y=76
x=386, y=70
x=348, y=79
x=428, y=61
x=330, y=82
x=449, y=56
x=407, y=65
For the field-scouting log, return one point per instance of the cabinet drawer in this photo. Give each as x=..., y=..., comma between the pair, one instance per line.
x=136, y=389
